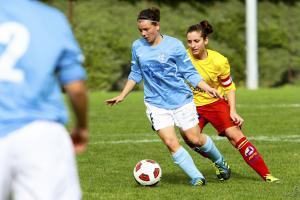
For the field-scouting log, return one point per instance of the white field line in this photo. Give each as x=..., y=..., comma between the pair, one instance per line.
x=282, y=138
x=291, y=105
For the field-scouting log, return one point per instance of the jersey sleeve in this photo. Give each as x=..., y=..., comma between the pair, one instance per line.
x=185, y=66
x=70, y=62
x=135, y=73
x=225, y=77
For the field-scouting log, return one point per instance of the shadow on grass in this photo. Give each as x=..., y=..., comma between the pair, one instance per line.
x=250, y=177
x=175, y=178
x=181, y=178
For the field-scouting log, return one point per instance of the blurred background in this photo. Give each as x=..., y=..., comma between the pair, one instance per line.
x=106, y=29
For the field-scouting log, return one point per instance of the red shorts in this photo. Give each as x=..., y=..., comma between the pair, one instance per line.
x=217, y=113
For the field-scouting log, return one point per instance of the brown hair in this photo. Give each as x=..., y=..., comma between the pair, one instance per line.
x=204, y=27
x=152, y=14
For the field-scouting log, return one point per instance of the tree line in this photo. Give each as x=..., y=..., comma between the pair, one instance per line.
x=105, y=30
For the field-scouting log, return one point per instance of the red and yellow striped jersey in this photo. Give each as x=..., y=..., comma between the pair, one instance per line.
x=215, y=70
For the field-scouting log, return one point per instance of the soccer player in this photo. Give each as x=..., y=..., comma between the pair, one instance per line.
x=221, y=113
x=38, y=55
x=162, y=62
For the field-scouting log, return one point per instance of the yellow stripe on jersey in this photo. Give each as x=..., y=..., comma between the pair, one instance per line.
x=215, y=70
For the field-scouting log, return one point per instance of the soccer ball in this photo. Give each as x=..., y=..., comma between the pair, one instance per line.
x=147, y=172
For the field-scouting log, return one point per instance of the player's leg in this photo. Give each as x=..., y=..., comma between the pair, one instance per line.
x=202, y=122
x=180, y=156
x=163, y=122
x=249, y=153
x=45, y=163
x=5, y=168
x=204, y=145
x=201, y=143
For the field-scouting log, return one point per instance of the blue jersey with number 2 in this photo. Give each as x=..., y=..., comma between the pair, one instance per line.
x=38, y=54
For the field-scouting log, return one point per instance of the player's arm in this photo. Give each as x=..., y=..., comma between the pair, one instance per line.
x=229, y=88
x=134, y=77
x=231, y=97
x=71, y=75
x=189, y=72
x=130, y=84
x=211, y=91
x=77, y=94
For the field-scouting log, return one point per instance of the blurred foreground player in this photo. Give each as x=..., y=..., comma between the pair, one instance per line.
x=38, y=55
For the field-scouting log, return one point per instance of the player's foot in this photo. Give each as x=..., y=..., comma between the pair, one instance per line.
x=271, y=179
x=223, y=170
x=198, y=181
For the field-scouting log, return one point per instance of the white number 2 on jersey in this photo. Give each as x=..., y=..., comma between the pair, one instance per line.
x=15, y=38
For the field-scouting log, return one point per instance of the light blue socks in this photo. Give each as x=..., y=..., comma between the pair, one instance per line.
x=211, y=151
x=182, y=158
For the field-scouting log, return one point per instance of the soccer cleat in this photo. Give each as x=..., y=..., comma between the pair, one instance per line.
x=271, y=179
x=223, y=170
x=198, y=181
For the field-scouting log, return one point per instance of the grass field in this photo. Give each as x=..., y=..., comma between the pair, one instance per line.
x=120, y=136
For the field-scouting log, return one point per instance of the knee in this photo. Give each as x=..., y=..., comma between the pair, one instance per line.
x=188, y=142
x=172, y=144
x=198, y=140
x=234, y=135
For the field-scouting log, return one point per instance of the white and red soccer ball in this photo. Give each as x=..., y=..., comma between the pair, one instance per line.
x=147, y=172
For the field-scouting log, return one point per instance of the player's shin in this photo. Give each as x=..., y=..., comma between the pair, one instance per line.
x=210, y=151
x=183, y=159
x=252, y=157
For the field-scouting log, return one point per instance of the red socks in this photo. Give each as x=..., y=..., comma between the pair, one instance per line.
x=252, y=157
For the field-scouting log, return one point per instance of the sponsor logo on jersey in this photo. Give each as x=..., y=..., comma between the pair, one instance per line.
x=197, y=89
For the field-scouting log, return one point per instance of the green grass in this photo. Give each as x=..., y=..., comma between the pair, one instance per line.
x=106, y=168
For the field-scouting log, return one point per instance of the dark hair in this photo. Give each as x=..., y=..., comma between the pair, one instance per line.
x=152, y=14
x=204, y=27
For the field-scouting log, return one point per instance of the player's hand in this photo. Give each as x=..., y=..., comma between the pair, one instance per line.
x=114, y=100
x=214, y=93
x=210, y=91
x=80, y=138
x=238, y=120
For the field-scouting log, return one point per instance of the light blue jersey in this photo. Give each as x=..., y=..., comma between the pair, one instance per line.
x=37, y=56
x=164, y=68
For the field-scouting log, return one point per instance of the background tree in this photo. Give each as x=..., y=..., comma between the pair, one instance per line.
x=106, y=30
